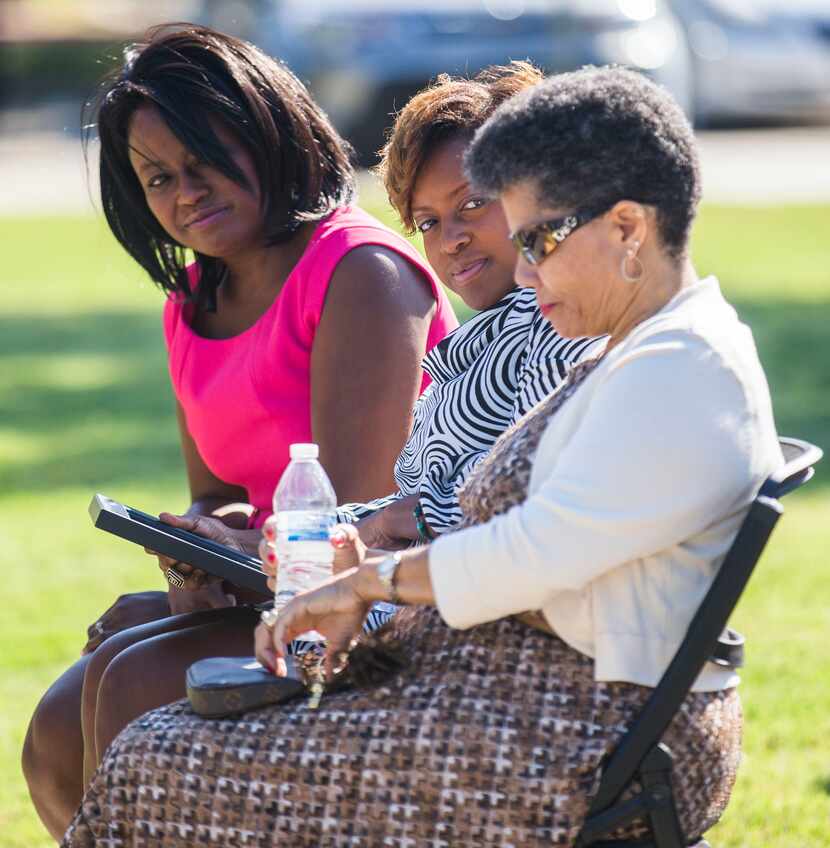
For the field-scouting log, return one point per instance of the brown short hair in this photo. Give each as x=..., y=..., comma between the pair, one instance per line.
x=449, y=107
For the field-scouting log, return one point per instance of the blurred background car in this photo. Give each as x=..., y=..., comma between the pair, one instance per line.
x=757, y=60
x=363, y=59
x=728, y=62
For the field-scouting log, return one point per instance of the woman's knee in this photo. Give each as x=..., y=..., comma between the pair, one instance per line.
x=136, y=680
x=117, y=695
x=107, y=651
x=126, y=690
x=122, y=674
x=97, y=665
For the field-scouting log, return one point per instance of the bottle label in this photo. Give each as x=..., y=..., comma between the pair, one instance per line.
x=307, y=535
x=305, y=528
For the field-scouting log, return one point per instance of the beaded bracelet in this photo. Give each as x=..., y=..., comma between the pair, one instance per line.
x=425, y=535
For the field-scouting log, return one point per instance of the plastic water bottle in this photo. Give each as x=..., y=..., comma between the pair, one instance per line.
x=305, y=509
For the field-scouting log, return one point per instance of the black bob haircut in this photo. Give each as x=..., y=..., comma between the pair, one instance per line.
x=590, y=138
x=193, y=74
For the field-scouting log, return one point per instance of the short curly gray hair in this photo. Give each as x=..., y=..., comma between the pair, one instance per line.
x=590, y=138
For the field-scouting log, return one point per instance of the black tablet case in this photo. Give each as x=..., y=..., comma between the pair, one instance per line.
x=143, y=529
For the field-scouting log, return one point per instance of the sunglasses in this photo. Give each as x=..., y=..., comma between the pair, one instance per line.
x=536, y=243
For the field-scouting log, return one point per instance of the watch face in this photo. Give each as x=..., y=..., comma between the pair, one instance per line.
x=386, y=571
x=387, y=567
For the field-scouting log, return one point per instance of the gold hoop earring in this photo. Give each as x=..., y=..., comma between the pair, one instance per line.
x=639, y=270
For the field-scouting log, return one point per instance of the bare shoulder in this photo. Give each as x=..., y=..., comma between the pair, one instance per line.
x=377, y=274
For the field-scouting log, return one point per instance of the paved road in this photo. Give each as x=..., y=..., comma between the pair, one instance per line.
x=44, y=172
x=766, y=165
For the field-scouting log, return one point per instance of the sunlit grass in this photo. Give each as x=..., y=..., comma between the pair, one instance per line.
x=777, y=254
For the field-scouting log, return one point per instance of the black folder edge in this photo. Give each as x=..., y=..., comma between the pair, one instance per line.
x=146, y=530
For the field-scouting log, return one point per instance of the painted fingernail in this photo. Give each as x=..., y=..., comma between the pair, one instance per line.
x=339, y=539
x=268, y=532
x=271, y=557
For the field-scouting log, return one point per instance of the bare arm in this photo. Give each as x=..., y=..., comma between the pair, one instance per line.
x=412, y=579
x=338, y=608
x=392, y=527
x=207, y=491
x=365, y=368
x=228, y=505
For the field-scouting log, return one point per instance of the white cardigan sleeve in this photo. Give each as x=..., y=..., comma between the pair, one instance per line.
x=664, y=449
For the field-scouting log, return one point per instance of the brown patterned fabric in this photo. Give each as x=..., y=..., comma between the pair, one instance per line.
x=490, y=736
x=501, y=479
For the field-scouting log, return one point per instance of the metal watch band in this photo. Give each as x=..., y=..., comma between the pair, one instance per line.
x=387, y=572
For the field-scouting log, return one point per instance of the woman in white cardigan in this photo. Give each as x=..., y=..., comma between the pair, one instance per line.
x=591, y=533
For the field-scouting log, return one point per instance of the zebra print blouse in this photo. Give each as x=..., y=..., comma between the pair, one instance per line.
x=485, y=376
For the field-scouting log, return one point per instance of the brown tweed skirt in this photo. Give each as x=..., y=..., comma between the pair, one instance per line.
x=491, y=736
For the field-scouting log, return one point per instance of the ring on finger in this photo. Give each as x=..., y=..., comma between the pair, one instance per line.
x=175, y=577
x=269, y=618
x=98, y=628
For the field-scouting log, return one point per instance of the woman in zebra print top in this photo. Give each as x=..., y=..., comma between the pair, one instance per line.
x=488, y=373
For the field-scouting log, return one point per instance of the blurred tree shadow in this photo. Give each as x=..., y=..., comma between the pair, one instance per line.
x=793, y=340
x=109, y=421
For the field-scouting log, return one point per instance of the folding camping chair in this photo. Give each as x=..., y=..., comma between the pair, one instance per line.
x=640, y=758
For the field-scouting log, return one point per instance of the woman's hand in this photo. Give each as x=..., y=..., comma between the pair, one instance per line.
x=200, y=590
x=391, y=528
x=268, y=551
x=210, y=595
x=211, y=528
x=127, y=611
x=340, y=607
x=349, y=549
x=336, y=610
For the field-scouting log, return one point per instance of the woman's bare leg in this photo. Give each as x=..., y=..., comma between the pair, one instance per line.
x=151, y=672
x=166, y=666
x=55, y=756
x=54, y=750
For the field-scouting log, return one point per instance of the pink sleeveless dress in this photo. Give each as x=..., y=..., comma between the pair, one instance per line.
x=247, y=398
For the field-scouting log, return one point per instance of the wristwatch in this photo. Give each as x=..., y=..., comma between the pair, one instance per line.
x=387, y=572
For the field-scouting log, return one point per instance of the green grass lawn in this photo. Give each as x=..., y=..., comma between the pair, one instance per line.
x=86, y=407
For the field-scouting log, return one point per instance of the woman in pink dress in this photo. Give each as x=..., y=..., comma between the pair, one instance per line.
x=285, y=303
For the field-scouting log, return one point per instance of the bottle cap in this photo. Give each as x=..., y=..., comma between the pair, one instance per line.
x=304, y=451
